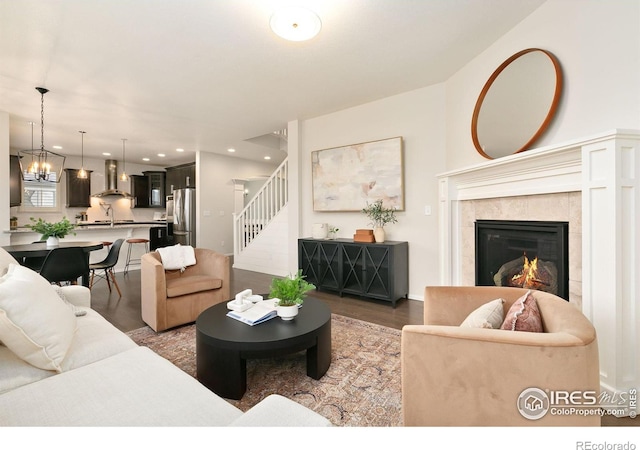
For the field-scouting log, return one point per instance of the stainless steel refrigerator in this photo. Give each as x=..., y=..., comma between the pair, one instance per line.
x=184, y=216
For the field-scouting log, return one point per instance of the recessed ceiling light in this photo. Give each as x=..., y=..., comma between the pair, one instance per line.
x=57, y=147
x=267, y=157
x=146, y=159
x=295, y=23
x=179, y=149
x=106, y=154
x=161, y=155
x=231, y=150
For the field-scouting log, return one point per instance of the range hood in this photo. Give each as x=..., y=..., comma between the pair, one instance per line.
x=111, y=181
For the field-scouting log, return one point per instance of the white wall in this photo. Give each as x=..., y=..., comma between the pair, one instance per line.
x=598, y=46
x=4, y=177
x=215, y=196
x=418, y=117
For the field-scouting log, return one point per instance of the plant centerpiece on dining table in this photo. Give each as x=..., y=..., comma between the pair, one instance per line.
x=379, y=216
x=289, y=292
x=52, y=232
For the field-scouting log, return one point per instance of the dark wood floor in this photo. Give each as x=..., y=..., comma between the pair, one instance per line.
x=124, y=313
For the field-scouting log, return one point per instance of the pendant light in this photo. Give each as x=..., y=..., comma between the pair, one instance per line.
x=44, y=165
x=82, y=174
x=123, y=176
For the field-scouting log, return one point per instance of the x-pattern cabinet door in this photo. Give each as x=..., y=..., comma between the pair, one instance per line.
x=366, y=270
x=320, y=263
x=352, y=269
x=376, y=263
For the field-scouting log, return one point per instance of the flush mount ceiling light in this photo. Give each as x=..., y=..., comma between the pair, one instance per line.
x=295, y=23
x=41, y=164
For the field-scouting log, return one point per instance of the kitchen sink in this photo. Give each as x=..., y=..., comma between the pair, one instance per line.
x=115, y=221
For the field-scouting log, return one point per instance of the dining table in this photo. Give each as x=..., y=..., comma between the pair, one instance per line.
x=40, y=249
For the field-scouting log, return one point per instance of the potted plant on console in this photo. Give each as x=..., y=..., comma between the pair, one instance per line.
x=289, y=293
x=379, y=216
x=52, y=232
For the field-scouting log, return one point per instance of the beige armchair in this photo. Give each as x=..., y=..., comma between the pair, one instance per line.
x=171, y=297
x=453, y=376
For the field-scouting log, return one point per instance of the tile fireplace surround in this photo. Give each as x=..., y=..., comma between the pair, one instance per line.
x=592, y=183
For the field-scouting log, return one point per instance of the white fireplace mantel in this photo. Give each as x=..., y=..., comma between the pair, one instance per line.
x=605, y=169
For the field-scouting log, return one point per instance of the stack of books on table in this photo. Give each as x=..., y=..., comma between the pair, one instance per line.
x=364, y=236
x=260, y=312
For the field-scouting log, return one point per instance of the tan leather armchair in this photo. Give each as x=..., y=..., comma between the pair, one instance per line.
x=171, y=297
x=453, y=376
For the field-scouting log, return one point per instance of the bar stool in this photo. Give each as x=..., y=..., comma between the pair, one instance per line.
x=130, y=243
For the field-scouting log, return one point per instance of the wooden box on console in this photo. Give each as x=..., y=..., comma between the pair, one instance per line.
x=364, y=236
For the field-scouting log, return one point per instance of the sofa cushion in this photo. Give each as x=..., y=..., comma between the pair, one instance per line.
x=489, y=315
x=77, y=311
x=133, y=388
x=35, y=323
x=191, y=284
x=95, y=339
x=524, y=315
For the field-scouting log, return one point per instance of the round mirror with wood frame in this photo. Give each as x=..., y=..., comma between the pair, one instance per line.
x=517, y=103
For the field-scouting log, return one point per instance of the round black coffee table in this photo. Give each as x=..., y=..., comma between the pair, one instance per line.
x=223, y=345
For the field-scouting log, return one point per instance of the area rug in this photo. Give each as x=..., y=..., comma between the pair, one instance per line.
x=361, y=387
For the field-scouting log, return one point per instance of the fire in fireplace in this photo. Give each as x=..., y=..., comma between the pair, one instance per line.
x=528, y=254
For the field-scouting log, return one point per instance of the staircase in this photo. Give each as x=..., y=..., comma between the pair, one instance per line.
x=260, y=230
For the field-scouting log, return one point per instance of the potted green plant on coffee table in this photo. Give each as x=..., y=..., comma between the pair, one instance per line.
x=52, y=232
x=289, y=293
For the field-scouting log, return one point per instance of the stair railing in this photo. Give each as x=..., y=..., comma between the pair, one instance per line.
x=261, y=209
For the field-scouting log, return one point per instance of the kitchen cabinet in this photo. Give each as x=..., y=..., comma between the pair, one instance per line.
x=148, y=189
x=78, y=189
x=181, y=176
x=157, y=197
x=373, y=270
x=140, y=191
x=15, y=181
x=159, y=237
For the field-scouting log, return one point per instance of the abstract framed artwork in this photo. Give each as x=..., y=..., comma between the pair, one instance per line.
x=347, y=178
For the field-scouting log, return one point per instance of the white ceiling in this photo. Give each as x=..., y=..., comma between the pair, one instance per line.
x=210, y=74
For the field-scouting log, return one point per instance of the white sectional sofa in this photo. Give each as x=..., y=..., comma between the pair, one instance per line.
x=101, y=378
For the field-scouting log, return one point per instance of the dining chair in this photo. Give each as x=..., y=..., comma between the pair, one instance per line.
x=107, y=265
x=34, y=262
x=65, y=264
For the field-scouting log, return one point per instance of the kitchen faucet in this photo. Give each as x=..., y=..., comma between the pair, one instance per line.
x=107, y=209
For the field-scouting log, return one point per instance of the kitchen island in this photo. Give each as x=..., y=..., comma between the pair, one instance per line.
x=97, y=231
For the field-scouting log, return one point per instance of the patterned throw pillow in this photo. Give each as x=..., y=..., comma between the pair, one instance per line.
x=489, y=315
x=524, y=315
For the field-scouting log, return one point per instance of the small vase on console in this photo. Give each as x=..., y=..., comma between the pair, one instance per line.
x=378, y=233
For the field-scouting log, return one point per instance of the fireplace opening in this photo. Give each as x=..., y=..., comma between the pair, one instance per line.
x=529, y=254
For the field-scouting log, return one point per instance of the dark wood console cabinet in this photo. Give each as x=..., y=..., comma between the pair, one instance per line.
x=374, y=270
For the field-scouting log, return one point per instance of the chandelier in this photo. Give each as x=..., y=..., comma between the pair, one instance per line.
x=41, y=164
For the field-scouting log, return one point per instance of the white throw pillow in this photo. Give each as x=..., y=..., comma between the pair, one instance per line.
x=489, y=315
x=35, y=323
